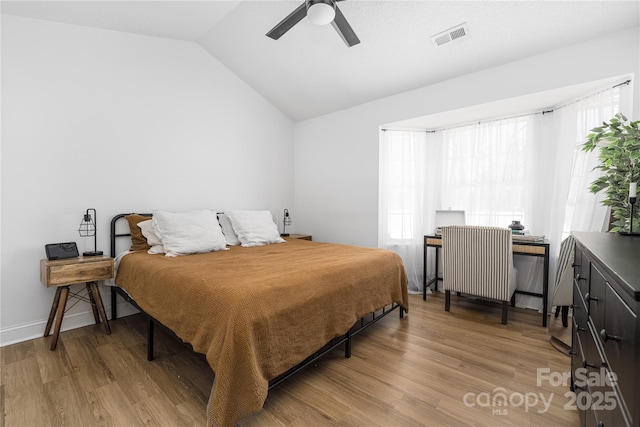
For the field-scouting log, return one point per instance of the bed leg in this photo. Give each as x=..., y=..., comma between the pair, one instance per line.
x=347, y=346
x=114, y=311
x=150, y=340
x=401, y=312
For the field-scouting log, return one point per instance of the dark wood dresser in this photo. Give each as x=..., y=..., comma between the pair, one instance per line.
x=605, y=360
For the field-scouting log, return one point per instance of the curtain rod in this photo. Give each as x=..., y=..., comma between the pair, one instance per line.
x=623, y=83
x=406, y=130
x=626, y=82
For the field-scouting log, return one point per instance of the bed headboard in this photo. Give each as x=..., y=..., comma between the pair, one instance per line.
x=115, y=234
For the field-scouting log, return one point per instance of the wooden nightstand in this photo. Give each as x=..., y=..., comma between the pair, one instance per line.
x=298, y=236
x=64, y=272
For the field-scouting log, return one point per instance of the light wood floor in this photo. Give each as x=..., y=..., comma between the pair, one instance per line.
x=414, y=371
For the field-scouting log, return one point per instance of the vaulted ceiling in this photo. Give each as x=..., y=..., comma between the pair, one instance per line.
x=310, y=71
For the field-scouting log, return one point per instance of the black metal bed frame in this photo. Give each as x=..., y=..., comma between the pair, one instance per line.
x=334, y=343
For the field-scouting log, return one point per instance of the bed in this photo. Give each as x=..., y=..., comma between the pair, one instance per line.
x=260, y=314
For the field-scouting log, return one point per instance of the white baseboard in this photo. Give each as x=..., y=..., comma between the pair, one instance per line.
x=29, y=331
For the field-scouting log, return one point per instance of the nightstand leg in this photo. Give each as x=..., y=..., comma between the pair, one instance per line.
x=62, y=303
x=52, y=313
x=103, y=313
x=94, y=307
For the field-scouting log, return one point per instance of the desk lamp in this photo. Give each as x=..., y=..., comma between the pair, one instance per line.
x=286, y=220
x=88, y=229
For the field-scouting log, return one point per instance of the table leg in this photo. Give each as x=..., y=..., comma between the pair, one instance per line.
x=545, y=288
x=62, y=303
x=103, y=313
x=52, y=313
x=426, y=282
x=94, y=307
x=437, y=272
x=424, y=271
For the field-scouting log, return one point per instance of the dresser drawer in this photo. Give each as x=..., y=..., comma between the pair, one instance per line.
x=595, y=299
x=577, y=352
x=593, y=359
x=581, y=272
x=618, y=336
x=75, y=270
x=605, y=402
x=580, y=313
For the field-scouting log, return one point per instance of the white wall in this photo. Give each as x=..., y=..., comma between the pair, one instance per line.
x=120, y=123
x=336, y=158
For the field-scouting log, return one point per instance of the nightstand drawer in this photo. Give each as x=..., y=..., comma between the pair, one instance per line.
x=75, y=270
x=299, y=236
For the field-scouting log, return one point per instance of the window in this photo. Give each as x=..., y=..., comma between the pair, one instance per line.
x=484, y=170
x=529, y=168
x=403, y=176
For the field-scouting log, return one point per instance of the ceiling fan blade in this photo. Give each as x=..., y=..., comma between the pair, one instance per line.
x=344, y=29
x=287, y=23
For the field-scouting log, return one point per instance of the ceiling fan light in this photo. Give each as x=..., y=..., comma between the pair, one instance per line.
x=321, y=12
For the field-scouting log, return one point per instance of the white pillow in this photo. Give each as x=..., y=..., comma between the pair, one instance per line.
x=254, y=228
x=152, y=238
x=188, y=232
x=227, y=229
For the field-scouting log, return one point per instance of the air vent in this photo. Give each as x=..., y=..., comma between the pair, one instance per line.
x=455, y=33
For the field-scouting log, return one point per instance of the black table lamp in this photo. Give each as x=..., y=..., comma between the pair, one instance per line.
x=88, y=229
x=286, y=220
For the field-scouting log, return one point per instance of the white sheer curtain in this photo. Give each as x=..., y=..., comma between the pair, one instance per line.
x=583, y=210
x=403, y=165
x=571, y=206
x=487, y=170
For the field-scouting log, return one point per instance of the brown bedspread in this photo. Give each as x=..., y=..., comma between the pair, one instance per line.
x=257, y=312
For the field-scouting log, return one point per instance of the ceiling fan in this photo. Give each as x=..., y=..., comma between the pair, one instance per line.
x=320, y=12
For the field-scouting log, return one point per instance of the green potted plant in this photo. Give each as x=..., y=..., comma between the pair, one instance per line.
x=619, y=161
